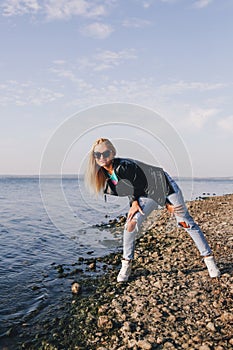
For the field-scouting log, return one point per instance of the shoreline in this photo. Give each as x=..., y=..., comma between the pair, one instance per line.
x=169, y=302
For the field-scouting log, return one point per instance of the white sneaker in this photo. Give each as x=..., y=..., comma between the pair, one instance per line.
x=124, y=271
x=212, y=267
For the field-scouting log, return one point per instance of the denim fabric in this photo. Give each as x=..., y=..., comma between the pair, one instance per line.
x=181, y=214
x=147, y=205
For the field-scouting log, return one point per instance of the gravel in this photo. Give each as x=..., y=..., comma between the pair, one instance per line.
x=170, y=302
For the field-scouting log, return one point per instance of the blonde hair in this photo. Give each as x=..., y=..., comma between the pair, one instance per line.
x=95, y=178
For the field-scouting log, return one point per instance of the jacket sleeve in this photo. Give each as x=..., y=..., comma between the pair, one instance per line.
x=131, y=172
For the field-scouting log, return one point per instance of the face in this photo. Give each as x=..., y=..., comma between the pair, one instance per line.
x=103, y=155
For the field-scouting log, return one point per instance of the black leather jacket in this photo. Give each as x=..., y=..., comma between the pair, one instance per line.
x=137, y=179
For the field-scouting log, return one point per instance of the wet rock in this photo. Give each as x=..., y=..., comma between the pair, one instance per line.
x=105, y=322
x=92, y=266
x=76, y=288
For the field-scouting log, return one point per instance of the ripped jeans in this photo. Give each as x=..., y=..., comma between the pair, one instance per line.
x=183, y=218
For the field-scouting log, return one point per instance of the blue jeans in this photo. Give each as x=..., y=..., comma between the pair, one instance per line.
x=183, y=219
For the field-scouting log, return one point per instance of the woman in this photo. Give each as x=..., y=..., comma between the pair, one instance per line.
x=147, y=187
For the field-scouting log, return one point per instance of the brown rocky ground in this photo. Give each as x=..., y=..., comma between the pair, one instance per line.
x=169, y=302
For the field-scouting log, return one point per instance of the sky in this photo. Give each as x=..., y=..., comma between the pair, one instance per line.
x=60, y=58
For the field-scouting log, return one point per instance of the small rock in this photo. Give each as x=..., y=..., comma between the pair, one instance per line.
x=102, y=309
x=132, y=343
x=144, y=344
x=159, y=340
x=126, y=327
x=92, y=266
x=210, y=326
x=197, y=339
x=158, y=284
x=104, y=322
x=226, y=317
x=76, y=288
x=168, y=345
x=171, y=318
x=204, y=347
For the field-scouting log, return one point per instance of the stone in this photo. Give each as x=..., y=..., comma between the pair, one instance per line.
x=204, y=347
x=210, y=326
x=76, y=288
x=144, y=344
x=104, y=322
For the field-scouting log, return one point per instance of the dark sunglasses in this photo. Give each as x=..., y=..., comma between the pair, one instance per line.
x=105, y=154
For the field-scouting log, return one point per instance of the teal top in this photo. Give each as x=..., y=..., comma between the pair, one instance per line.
x=113, y=178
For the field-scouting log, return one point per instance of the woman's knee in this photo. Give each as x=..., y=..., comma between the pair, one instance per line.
x=131, y=225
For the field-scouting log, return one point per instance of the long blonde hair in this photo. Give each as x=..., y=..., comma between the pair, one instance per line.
x=95, y=178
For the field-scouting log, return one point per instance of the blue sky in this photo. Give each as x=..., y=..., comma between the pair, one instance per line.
x=59, y=57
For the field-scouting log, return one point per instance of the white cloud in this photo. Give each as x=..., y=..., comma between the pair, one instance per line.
x=43, y=95
x=135, y=22
x=182, y=86
x=98, y=62
x=20, y=7
x=62, y=9
x=226, y=124
x=69, y=75
x=110, y=59
x=26, y=93
x=200, y=116
x=148, y=3
x=57, y=9
x=202, y=3
x=59, y=62
x=197, y=3
x=64, y=73
x=97, y=30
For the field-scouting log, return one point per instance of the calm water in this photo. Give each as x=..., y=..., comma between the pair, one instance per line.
x=37, y=235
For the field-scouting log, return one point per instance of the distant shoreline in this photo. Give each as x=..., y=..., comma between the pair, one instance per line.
x=81, y=176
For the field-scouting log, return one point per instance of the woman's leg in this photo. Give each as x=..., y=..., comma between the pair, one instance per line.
x=185, y=220
x=131, y=229
x=129, y=237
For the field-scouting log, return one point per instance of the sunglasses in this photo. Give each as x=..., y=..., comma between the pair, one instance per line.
x=105, y=154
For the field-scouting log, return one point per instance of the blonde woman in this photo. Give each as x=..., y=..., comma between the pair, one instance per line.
x=147, y=187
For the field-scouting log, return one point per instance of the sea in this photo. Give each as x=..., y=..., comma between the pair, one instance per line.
x=50, y=222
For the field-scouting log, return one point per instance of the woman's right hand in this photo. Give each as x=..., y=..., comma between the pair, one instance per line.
x=135, y=208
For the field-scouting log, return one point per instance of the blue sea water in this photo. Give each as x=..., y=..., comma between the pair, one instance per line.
x=48, y=222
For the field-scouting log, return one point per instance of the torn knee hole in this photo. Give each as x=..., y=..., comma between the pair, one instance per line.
x=184, y=224
x=130, y=227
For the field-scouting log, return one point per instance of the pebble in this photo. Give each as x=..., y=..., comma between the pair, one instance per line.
x=210, y=326
x=76, y=288
x=105, y=322
x=204, y=347
x=145, y=345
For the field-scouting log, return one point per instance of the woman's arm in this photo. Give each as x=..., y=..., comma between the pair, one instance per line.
x=130, y=171
x=135, y=207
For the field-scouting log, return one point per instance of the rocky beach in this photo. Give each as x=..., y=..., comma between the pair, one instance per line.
x=170, y=302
